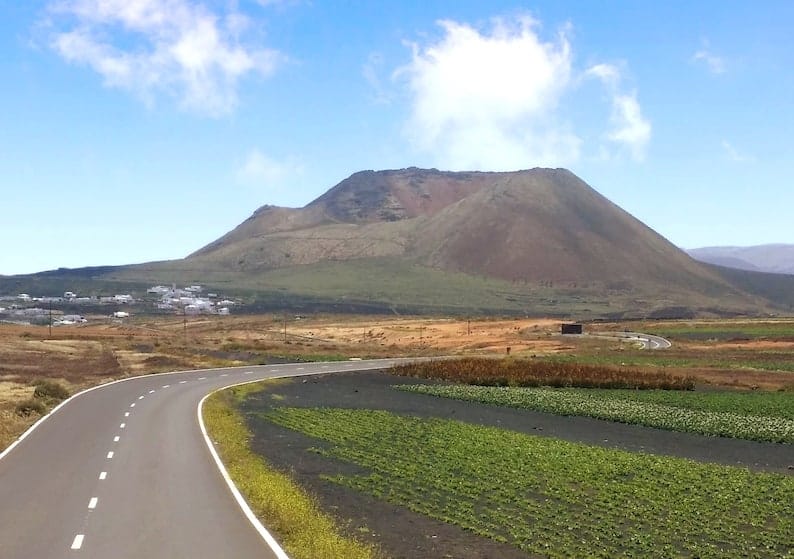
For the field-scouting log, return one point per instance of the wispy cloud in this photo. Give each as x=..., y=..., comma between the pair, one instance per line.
x=260, y=171
x=150, y=47
x=734, y=154
x=371, y=70
x=487, y=99
x=628, y=127
x=714, y=63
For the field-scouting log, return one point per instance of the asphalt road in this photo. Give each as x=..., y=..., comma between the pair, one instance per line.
x=648, y=341
x=124, y=471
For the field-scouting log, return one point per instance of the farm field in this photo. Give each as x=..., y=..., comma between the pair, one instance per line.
x=534, y=484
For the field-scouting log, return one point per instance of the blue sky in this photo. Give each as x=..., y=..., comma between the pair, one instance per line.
x=138, y=130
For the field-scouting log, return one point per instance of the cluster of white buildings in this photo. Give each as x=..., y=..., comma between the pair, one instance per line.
x=189, y=300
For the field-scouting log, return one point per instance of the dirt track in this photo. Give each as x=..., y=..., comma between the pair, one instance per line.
x=402, y=533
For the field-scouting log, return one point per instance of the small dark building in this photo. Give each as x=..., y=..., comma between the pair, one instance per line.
x=571, y=329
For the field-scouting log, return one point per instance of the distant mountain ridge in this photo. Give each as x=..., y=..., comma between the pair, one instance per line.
x=771, y=258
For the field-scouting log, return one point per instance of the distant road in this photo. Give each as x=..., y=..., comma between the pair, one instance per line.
x=123, y=471
x=648, y=341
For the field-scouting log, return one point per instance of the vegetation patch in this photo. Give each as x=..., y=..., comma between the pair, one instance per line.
x=50, y=391
x=303, y=530
x=522, y=372
x=622, y=407
x=553, y=498
x=30, y=407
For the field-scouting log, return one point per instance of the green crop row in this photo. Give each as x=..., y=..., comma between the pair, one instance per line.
x=553, y=498
x=770, y=404
x=623, y=408
x=520, y=372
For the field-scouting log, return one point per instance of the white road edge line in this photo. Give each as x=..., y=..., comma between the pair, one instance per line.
x=249, y=514
x=78, y=540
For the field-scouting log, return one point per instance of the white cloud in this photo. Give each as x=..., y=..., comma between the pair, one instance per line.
x=734, y=154
x=628, y=127
x=147, y=47
x=487, y=100
x=259, y=170
x=715, y=64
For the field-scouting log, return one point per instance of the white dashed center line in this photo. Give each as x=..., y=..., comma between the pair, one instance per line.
x=151, y=392
x=132, y=405
x=225, y=375
x=116, y=439
x=166, y=386
x=299, y=369
x=182, y=381
x=248, y=373
x=78, y=541
x=103, y=475
x=126, y=414
x=110, y=455
x=202, y=378
x=92, y=503
x=122, y=426
x=141, y=397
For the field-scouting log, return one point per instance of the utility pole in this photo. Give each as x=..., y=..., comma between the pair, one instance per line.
x=285, y=326
x=468, y=327
x=50, y=319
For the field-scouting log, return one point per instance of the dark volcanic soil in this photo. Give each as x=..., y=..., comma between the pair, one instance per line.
x=401, y=533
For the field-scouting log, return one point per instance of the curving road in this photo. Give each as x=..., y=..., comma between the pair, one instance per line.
x=648, y=341
x=124, y=471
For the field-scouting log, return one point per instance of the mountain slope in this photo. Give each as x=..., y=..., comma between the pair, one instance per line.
x=774, y=258
x=541, y=225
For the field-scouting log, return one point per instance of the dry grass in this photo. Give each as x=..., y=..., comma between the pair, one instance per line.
x=100, y=351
